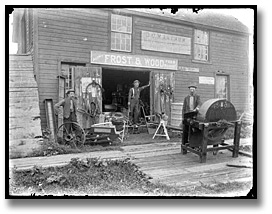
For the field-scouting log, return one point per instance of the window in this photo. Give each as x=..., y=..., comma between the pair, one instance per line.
x=201, y=45
x=121, y=30
x=68, y=71
x=222, y=86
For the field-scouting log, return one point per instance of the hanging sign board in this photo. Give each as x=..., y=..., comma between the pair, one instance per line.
x=165, y=43
x=206, y=80
x=181, y=68
x=142, y=61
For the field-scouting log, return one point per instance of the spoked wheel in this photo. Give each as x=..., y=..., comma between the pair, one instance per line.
x=74, y=136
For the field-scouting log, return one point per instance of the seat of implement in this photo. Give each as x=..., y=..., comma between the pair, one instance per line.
x=208, y=126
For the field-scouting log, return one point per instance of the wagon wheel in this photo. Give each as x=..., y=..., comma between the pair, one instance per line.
x=75, y=136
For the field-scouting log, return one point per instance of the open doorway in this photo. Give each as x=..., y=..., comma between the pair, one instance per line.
x=116, y=84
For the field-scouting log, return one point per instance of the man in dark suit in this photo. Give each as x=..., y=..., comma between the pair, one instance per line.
x=69, y=105
x=191, y=103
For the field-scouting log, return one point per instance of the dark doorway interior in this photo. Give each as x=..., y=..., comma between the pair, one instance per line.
x=116, y=85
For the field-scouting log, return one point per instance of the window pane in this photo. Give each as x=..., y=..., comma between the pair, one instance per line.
x=201, y=37
x=121, y=23
x=201, y=52
x=120, y=41
x=221, y=86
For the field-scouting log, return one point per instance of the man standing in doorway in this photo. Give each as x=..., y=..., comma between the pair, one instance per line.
x=133, y=100
x=69, y=105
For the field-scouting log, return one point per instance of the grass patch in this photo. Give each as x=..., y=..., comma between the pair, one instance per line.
x=102, y=177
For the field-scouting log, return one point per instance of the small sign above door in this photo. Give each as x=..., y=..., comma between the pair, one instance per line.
x=206, y=80
x=144, y=61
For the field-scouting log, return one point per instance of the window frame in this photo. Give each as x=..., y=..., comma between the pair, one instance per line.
x=228, y=84
x=120, y=33
x=196, y=43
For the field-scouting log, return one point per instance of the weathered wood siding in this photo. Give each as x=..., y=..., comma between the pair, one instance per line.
x=228, y=53
x=61, y=37
x=24, y=112
x=69, y=35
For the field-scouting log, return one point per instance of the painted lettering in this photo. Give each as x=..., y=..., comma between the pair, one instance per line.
x=124, y=60
x=138, y=61
x=113, y=59
x=147, y=61
x=161, y=63
x=157, y=63
x=107, y=57
x=118, y=59
x=129, y=60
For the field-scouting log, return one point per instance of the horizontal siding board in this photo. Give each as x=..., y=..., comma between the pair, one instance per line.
x=75, y=14
x=69, y=46
x=60, y=19
x=69, y=36
x=25, y=58
x=71, y=54
x=71, y=30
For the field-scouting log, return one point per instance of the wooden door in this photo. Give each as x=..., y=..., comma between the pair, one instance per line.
x=88, y=89
x=61, y=96
x=162, y=93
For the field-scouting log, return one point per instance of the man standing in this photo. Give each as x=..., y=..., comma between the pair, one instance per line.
x=133, y=100
x=69, y=105
x=191, y=103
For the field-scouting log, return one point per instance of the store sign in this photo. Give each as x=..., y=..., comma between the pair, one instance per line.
x=206, y=80
x=165, y=43
x=181, y=68
x=142, y=61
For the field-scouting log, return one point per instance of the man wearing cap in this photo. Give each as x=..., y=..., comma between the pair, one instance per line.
x=191, y=103
x=133, y=100
x=69, y=105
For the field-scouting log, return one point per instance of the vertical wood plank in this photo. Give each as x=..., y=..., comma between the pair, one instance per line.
x=236, y=142
x=203, y=154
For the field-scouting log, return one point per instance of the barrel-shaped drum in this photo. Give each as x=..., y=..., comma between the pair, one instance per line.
x=214, y=110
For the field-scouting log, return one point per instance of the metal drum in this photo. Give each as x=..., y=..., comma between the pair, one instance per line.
x=214, y=110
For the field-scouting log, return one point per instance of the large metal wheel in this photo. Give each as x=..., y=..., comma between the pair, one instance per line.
x=75, y=136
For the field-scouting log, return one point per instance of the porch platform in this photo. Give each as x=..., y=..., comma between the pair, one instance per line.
x=164, y=162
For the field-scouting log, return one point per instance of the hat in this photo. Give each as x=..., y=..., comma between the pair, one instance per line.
x=136, y=81
x=70, y=90
x=193, y=85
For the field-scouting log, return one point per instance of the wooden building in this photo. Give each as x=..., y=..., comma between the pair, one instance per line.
x=72, y=47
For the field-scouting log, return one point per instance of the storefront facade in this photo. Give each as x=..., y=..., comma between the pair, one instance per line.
x=114, y=47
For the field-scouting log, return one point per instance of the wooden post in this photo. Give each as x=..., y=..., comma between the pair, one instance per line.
x=203, y=153
x=184, y=140
x=236, y=141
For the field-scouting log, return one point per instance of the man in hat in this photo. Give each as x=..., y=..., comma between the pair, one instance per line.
x=191, y=103
x=69, y=105
x=133, y=100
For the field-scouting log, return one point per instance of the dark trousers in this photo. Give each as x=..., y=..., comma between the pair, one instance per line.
x=70, y=126
x=134, y=110
x=185, y=134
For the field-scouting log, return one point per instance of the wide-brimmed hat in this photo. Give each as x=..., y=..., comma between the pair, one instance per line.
x=70, y=90
x=136, y=81
x=193, y=85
